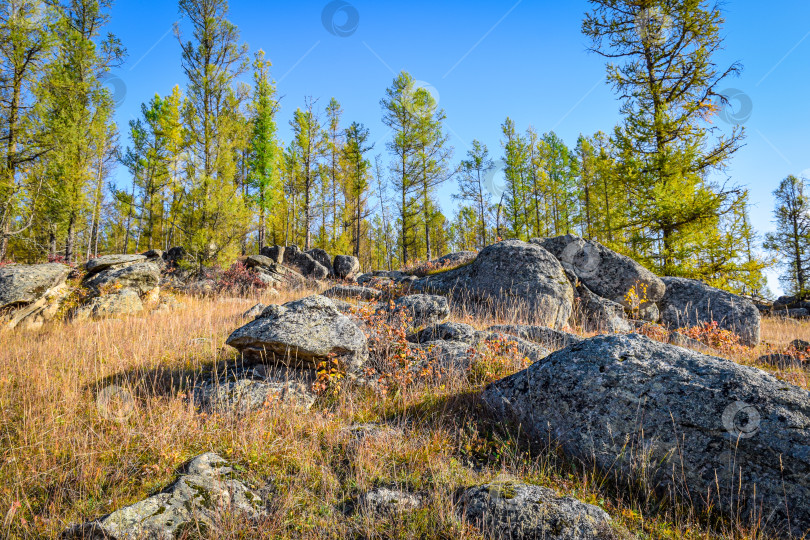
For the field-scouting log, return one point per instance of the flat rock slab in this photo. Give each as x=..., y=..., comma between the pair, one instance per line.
x=353, y=291
x=305, y=332
x=22, y=284
x=244, y=395
x=204, y=488
x=691, y=422
x=522, y=511
x=688, y=302
x=99, y=264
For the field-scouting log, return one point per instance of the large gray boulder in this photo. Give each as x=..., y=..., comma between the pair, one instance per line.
x=606, y=273
x=204, y=490
x=346, y=266
x=125, y=302
x=323, y=258
x=600, y=315
x=275, y=253
x=523, y=511
x=688, y=302
x=423, y=309
x=682, y=421
x=305, y=332
x=141, y=277
x=304, y=263
x=510, y=277
x=22, y=284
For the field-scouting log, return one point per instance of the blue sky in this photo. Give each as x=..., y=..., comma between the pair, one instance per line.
x=486, y=61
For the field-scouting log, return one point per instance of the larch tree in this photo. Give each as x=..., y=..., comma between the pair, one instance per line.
x=661, y=62
x=473, y=189
x=308, y=141
x=262, y=175
x=357, y=181
x=26, y=46
x=791, y=240
x=398, y=116
x=212, y=60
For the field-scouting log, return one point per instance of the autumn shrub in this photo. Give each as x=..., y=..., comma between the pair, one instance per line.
x=710, y=333
x=239, y=279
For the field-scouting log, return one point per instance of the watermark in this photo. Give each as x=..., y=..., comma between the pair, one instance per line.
x=411, y=101
x=340, y=18
x=116, y=86
x=583, y=257
x=741, y=420
x=115, y=403
x=494, y=180
x=734, y=106
x=653, y=25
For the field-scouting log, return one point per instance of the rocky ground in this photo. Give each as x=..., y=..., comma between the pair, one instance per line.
x=533, y=390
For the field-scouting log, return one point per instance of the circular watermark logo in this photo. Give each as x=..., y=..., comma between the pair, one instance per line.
x=494, y=180
x=653, y=25
x=582, y=257
x=734, y=106
x=116, y=86
x=412, y=101
x=741, y=420
x=340, y=18
x=115, y=403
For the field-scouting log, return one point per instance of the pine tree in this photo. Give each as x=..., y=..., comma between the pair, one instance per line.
x=791, y=240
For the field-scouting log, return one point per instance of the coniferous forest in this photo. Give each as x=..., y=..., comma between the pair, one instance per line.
x=209, y=171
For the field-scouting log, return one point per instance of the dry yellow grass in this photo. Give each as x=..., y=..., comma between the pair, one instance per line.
x=65, y=460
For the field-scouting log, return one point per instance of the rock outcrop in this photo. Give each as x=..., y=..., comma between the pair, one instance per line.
x=302, y=333
x=141, y=277
x=323, y=258
x=510, y=276
x=684, y=421
x=22, y=284
x=606, y=273
x=273, y=273
x=304, y=263
x=688, y=302
x=346, y=267
x=523, y=511
x=204, y=489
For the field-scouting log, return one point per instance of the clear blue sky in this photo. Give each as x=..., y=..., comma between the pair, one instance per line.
x=486, y=60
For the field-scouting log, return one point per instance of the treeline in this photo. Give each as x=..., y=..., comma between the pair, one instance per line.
x=211, y=173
